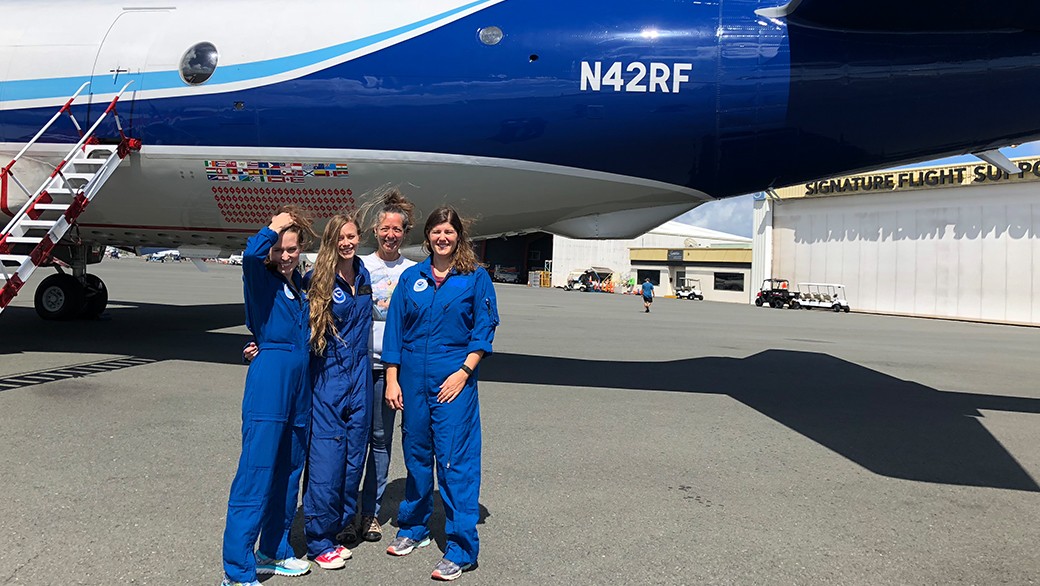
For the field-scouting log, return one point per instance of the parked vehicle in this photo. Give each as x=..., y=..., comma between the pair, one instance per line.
x=775, y=293
x=503, y=274
x=689, y=289
x=827, y=295
x=164, y=255
x=593, y=279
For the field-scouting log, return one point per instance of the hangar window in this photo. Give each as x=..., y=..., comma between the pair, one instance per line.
x=729, y=281
x=199, y=63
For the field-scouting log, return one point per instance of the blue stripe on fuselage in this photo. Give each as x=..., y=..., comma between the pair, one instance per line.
x=62, y=87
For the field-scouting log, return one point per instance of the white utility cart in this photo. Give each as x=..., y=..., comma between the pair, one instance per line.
x=826, y=295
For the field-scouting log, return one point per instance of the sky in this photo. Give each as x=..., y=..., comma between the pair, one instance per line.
x=734, y=215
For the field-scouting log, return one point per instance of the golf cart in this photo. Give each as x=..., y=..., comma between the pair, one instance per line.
x=776, y=293
x=827, y=295
x=689, y=289
x=592, y=279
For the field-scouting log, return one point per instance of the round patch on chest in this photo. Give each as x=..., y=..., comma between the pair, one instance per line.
x=338, y=295
x=288, y=291
x=420, y=286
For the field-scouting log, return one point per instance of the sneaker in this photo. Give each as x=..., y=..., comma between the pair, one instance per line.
x=227, y=582
x=291, y=567
x=448, y=570
x=404, y=546
x=343, y=553
x=330, y=560
x=373, y=531
x=349, y=534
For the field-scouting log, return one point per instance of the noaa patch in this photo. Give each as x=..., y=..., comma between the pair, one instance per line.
x=338, y=295
x=420, y=286
x=288, y=291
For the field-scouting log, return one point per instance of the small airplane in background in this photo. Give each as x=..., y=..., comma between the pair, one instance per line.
x=587, y=119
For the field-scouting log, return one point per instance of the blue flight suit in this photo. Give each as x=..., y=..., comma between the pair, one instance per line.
x=276, y=410
x=429, y=332
x=340, y=415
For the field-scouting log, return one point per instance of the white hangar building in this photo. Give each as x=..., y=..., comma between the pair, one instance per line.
x=953, y=241
x=571, y=255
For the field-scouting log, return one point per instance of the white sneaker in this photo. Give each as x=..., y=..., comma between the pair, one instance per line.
x=291, y=567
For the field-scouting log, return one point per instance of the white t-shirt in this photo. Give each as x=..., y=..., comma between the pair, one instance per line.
x=385, y=276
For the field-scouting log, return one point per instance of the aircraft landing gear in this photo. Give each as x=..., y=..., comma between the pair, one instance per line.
x=79, y=295
x=64, y=297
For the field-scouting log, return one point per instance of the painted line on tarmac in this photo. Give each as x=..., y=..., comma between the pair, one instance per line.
x=29, y=379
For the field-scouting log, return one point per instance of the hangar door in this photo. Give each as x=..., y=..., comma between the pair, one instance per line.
x=959, y=252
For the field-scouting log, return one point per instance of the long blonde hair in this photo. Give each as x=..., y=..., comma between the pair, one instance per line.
x=324, y=278
x=463, y=259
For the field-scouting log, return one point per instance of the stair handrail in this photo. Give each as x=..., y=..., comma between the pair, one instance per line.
x=57, y=170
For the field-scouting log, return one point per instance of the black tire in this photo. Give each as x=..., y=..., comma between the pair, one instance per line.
x=847, y=309
x=794, y=305
x=836, y=308
x=700, y=298
x=95, y=297
x=758, y=301
x=59, y=297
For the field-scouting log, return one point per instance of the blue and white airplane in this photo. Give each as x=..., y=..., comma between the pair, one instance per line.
x=588, y=119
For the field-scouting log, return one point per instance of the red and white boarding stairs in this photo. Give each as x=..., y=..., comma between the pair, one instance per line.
x=28, y=239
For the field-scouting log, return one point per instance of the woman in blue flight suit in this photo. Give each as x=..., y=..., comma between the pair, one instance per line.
x=340, y=292
x=276, y=406
x=437, y=332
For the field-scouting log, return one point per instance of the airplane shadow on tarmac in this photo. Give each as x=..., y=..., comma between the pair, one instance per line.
x=892, y=427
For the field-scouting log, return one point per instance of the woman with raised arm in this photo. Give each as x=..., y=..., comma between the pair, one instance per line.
x=276, y=405
x=441, y=324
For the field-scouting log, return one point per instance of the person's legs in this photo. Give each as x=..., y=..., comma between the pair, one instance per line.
x=377, y=467
x=457, y=439
x=271, y=384
x=326, y=464
x=274, y=538
x=414, y=513
x=357, y=431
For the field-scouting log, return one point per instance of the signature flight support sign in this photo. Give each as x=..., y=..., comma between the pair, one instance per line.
x=914, y=179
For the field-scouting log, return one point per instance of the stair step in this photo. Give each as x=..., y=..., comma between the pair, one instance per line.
x=87, y=161
x=27, y=223
x=61, y=207
x=23, y=239
x=13, y=258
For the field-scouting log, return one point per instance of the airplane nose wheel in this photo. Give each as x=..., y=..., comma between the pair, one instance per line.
x=59, y=297
x=64, y=297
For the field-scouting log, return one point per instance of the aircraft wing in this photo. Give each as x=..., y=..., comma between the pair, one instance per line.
x=915, y=16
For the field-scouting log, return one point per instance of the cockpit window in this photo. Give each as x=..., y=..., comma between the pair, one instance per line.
x=199, y=63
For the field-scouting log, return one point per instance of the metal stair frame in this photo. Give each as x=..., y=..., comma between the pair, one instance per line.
x=40, y=203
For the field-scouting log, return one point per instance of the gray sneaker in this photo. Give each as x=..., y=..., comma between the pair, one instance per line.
x=404, y=546
x=448, y=570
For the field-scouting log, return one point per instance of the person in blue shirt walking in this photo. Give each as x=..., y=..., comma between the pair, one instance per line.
x=441, y=324
x=648, y=294
x=340, y=292
x=276, y=406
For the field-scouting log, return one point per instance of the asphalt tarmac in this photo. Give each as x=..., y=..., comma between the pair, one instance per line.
x=703, y=443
